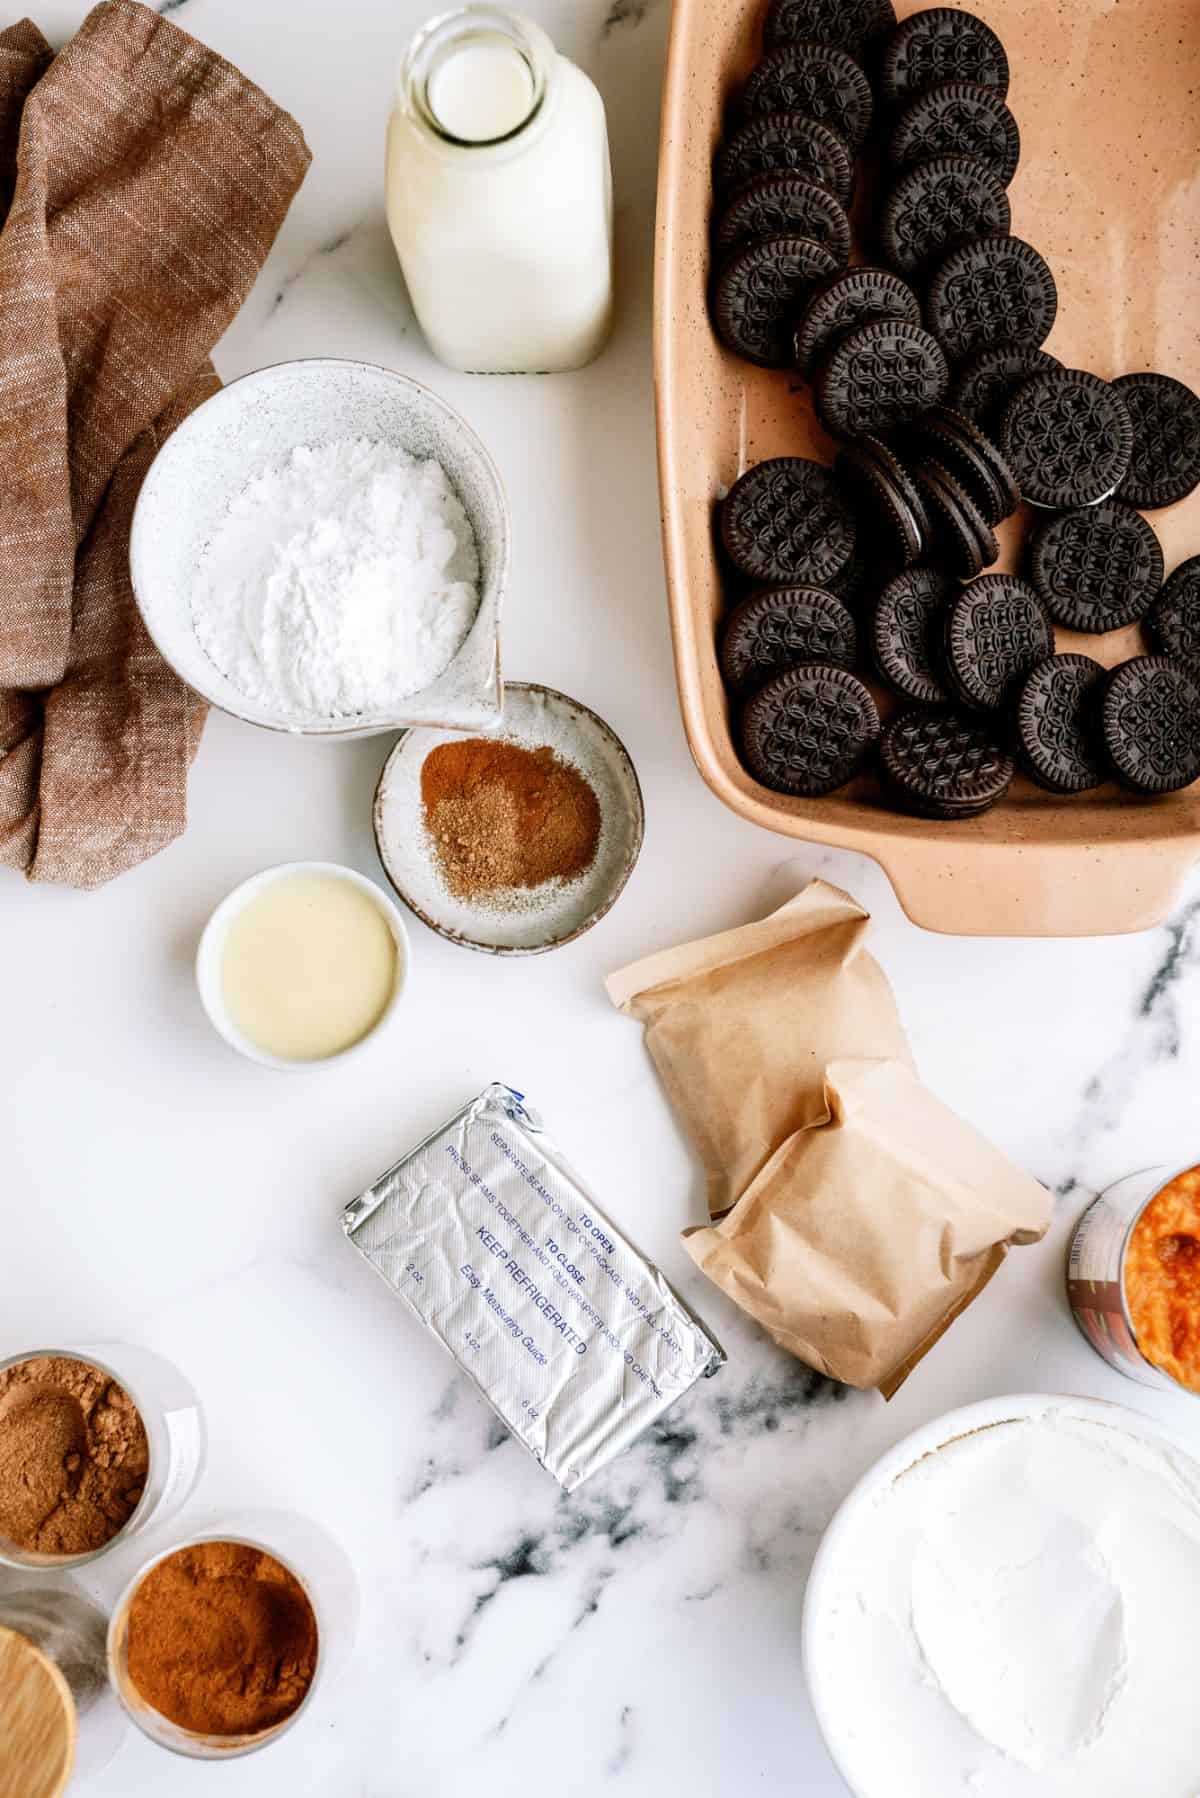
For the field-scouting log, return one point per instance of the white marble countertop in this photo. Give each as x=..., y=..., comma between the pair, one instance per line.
x=642, y=1637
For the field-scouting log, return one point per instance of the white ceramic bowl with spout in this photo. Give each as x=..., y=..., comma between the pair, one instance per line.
x=259, y=420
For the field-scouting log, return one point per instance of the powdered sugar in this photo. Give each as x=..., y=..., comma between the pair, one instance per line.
x=339, y=581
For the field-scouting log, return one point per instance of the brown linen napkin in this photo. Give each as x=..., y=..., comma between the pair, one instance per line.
x=145, y=180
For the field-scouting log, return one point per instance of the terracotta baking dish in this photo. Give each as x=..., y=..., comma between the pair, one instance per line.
x=1109, y=190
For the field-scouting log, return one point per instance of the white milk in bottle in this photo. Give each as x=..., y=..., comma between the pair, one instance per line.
x=499, y=196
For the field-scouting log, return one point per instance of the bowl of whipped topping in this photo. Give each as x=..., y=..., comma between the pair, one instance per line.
x=1008, y=1604
x=323, y=547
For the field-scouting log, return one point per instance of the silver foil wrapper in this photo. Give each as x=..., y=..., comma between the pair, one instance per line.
x=576, y=1341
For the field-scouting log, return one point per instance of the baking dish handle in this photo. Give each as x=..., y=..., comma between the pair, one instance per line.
x=1037, y=889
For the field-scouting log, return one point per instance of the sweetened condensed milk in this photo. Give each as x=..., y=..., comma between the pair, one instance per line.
x=309, y=966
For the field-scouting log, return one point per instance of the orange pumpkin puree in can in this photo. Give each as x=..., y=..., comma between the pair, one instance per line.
x=1162, y=1279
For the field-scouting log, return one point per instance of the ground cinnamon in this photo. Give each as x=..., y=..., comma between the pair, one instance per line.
x=221, y=1640
x=73, y=1456
x=505, y=817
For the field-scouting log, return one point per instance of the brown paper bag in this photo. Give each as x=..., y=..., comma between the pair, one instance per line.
x=868, y=1231
x=742, y=1025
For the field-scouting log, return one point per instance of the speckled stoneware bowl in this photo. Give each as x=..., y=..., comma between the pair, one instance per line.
x=551, y=915
x=1116, y=221
x=260, y=419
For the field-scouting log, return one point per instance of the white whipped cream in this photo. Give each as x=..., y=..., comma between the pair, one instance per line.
x=1017, y=1614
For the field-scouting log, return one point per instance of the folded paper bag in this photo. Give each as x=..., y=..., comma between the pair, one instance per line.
x=869, y=1231
x=742, y=1025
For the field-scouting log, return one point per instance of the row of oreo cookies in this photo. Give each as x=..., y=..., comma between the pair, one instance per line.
x=785, y=173
x=945, y=221
x=985, y=654
x=1093, y=568
x=784, y=178
x=1073, y=725
x=989, y=298
x=953, y=145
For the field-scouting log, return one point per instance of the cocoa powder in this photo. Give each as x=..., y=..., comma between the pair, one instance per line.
x=221, y=1639
x=505, y=817
x=73, y=1456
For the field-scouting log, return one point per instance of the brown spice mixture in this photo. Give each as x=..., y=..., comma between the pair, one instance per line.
x=73, y=1456
x=503, y=817
x=221, y=1640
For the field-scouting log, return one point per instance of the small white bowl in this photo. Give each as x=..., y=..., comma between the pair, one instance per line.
x=210, y=953
x=259, y=420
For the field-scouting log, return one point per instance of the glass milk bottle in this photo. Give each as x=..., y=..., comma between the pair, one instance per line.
x=499, y=196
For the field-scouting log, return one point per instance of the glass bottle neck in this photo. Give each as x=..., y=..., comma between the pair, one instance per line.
x=478, y=77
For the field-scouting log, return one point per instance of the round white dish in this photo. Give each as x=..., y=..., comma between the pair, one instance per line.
x=837, y=1546
x=259, y=420
x=549, y=916
x=212, y=943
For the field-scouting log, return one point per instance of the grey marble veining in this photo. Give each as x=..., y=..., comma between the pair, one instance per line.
x=1156, y=1032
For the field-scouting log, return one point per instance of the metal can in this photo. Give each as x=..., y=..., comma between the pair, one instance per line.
x=1096, y=1267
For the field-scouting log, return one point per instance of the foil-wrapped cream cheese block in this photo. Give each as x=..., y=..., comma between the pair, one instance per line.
x=575, y=1340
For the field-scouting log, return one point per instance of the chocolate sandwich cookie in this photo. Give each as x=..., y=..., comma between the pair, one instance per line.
x=853, y=297
x=786, y=521
x=809, y=730
x=856, y=578
x=984, y=384
x=776, y=627
x=1097, y=567
x=946, y=436
x=1165, y=465
x=758, y=292
x=963, y=541
x=858, y=26
x=958, y=118
x=996, y=630
x=938, y=204
x=994, y=290
x=942, y=44
x=782, y=205
x=786, y=140
x=885, y=494
x=1067, y=437
x=816, y=79
x=1057, y=724
x=905, y=631
x=938, y=764
x=1150, y=719
x=877, y=376
x=1172, y=625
